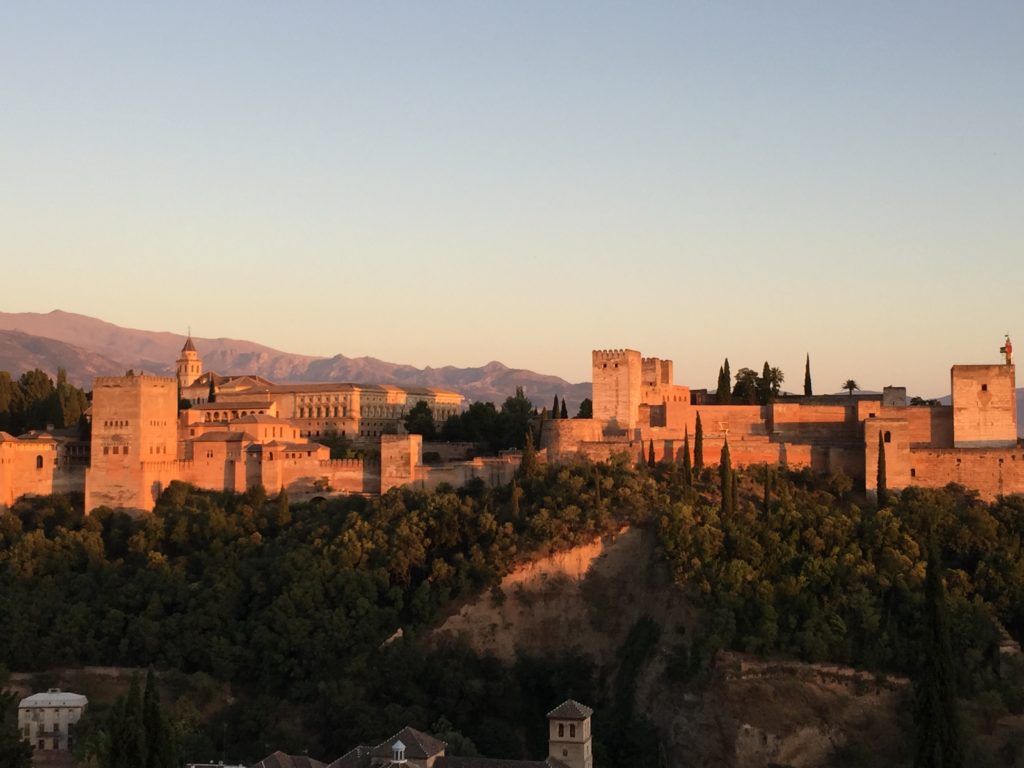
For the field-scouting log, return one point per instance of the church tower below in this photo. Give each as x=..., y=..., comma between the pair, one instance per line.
x=190, y=366
x=569, y=740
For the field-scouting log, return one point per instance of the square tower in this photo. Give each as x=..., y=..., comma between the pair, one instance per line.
x=984, y=406
x=569, y=740
x=134, y=422
x=617, y=387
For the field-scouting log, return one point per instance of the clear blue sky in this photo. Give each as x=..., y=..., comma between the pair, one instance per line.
x=451, y=183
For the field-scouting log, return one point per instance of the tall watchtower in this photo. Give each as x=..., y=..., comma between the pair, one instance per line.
x=985, y=404
x=190, y=365
x=569, y=740
x=617, y=387
x=134, y=422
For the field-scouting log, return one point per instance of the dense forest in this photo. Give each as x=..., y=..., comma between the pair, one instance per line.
x=292, y=604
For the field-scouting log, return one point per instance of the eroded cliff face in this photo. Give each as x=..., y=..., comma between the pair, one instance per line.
x=749, y=714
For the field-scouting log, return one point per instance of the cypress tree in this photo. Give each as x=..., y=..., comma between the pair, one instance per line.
x=650, y=453
x=687, y=468
x=129, y=741
x=528, y=464
x=161, y=750
x=735, y=491
x=554, y=408
x=564, y=414
x=724, y=392
x=940, y=741
x=883, y=489
x=516, y=493
x=767, y=489
x=725, y=475
x=807, y=377
x=766, y=384
x=211, y=396
x=698, y=447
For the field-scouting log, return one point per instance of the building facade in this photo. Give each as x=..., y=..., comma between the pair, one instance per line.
x=47, y=720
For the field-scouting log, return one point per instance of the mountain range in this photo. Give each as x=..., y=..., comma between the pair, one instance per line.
x=87, y=347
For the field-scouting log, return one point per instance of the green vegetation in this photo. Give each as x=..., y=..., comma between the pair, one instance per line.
x=808, y=389
x=14, y=753
x=850, y=385
x=420, y=421
x=294, y=605
x=723, y=393
x=35, y=402
x=586, y=410
x=490, y=428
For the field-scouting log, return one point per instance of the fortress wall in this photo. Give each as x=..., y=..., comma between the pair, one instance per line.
x=794, y=421
x=27, y=467
x=451, y=451
x=400, y=455
x=991, y=471
x=562, y=437
x=732, y=420
x=929, y=426
x=984, y=406
x=493, y=472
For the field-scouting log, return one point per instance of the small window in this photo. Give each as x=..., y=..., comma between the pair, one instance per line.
x=913, y=472
x=39, y=462
x=572, y=731
x=561, y=729
x=888, y=437
x=984, y=387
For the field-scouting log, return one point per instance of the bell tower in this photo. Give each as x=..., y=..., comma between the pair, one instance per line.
x=569, y=740
x=190, y=366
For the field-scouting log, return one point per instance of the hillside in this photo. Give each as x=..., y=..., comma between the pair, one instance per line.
x=86, y=347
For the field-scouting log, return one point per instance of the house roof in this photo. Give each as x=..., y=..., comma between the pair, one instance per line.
x=281, y=760
x=571, y=710
x=417, y=744
x=54, y=697
x=221, y=436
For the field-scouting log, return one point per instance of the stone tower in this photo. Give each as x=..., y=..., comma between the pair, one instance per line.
x=134, y=424
x=617, y=382
x=190, y=366
x=569, y=739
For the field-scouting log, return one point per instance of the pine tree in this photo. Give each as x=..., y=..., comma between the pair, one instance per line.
x=698, y=448
x=725, y=475
x=687, y=468
x=807, y=377
x=940, y=740
x=564, y=413
x=650, y=454
x=883, y=489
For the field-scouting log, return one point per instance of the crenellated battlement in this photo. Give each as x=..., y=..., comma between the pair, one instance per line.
x=109, y=381
x=612, y=354
x=353, y=464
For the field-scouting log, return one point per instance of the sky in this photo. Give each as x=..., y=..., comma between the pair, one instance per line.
x=459, y=182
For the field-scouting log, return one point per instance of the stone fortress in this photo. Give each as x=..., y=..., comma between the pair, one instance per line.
x=972, y=442
x=234, y=433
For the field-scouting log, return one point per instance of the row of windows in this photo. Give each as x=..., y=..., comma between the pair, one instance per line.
x=326, y=412
x=156, y=449
x=218, y=415
x=122, y=423
x=116, y=449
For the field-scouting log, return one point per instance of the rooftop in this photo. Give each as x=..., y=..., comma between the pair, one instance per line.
x=54, y=697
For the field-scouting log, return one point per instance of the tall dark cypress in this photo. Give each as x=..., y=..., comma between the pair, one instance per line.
x=211, y=396
x=725, y=475
x=807, y=377
x=940, y=740
x=564, y=413
x=554, y=408
x=687, y=467
x=698, y=447
x=735, y=491
x=883, y=488
x=765, y=384
x=161, y=749
x=528, y=463
x=724, y=393
x=650, y=454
